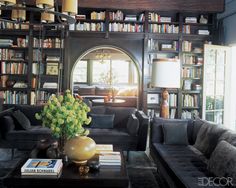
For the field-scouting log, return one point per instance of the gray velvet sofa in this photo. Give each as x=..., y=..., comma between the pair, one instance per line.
x=128, y=133
x=193, y=153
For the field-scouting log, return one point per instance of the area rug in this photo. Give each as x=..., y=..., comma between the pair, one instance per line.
x=141, y=170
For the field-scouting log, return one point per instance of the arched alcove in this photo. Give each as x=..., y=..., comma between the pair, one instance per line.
x=107, y=70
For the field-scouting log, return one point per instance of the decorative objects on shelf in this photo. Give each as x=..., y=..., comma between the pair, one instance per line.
x=45, y=7
x=65, y=116
x=165, y=74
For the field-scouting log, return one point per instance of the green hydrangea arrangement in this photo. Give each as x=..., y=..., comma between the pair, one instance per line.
x=65, y=116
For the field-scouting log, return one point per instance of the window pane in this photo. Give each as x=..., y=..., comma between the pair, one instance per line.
x=120, y=71
x=80, y=72
x=101, y=72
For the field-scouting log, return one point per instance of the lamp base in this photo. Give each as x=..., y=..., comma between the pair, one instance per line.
x=164, y=104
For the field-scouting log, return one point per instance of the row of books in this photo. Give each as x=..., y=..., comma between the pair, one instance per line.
x=15, y=97
x=123, y=27
x=13, y=68
x=37, y=55
x=9, y=54
x=43, y=96
x=85, y=26
x=186, y=46
x=155, y=17
x=163, y=28
x=190, y=100
x=191, y=72
x=172, y=100
x=189, y=114
x=98, y=15
x=9, y=25
x=48, y=43
x=187, y=30
x=6, y=42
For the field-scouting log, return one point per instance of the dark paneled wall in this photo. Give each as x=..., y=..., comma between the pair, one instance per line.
x=178, y=5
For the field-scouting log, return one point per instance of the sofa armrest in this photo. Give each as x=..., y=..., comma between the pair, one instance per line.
x=133, y=125
x=143, y=130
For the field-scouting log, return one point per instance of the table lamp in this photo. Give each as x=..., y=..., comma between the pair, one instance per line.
x=165, y=74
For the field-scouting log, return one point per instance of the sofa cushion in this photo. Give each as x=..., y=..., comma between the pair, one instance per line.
x=102, y=121
x=175, y=133
x=121, y=115
x=133, y=125
x=22, y=120
x=157, y=132
x=97, y=110
x=117, y=137
x=35, y=133
x=223, y=161
x=197, y=123
x=186, y=165
x=7, y=125
x=102, y=91
x=229, y=137
x=207, y=138
x=86, y=90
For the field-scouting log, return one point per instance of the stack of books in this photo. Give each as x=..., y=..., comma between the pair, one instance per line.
x=6, y=42
x=110, y=158
x=102, y=148
x=42, y=167
x=190, y=20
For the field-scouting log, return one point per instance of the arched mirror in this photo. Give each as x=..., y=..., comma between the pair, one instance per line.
x=106, y=74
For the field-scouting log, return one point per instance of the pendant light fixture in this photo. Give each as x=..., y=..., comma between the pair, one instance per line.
x=18, y=14
x=45, y=3
x=7, y=2
x=47, y=17
x=70, y=7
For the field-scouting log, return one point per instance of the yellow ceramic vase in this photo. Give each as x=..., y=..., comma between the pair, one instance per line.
x=80, y=149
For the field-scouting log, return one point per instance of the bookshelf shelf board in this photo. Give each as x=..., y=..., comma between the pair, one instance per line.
x=164, y=36
x=17, y=32
x=190, y=108
x=126, y=21
x=191, y=92
x=163, y=51
x=192, y=65
x=192, y=53
x=173, y=107
x=91, y=20
x=192, y=37
x=97, y=34
x=14, y=48
x=198, y=24
x=13, y=89
x=48, y=33
x=48, y=89
x=20, y=75
x=153, y=106
x=14, y=61
x=53, y=49
x=191, y=78
x=159, y=23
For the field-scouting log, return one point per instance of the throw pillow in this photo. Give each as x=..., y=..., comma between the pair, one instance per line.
x=7, y=125
x=175, y=133
x=102, y=121
x=202, y=141
x=22, y=120
x=222, y=162
x=133, y=125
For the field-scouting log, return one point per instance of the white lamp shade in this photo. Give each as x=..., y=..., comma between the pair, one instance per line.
x=166, y=73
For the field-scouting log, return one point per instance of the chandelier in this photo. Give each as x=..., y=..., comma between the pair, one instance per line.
x=102, y=56
x=49, y=10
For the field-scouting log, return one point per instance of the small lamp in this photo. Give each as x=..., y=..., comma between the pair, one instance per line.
x=70, y=7
x=165, y=74
x=8, y=2
x=45, y=3
x=47, y=17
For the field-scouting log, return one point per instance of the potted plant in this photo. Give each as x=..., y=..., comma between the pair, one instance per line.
x=66, y=116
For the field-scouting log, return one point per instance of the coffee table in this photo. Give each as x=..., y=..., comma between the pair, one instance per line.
x=106, y=177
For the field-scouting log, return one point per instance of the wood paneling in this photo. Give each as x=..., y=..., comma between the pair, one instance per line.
x=160, y=5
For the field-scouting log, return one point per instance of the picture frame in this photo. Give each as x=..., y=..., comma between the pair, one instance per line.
x=152, y=98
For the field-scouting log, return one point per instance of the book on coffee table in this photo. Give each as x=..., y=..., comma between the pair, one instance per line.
x=110, y=158
x=42, y=167
x=101, y=148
